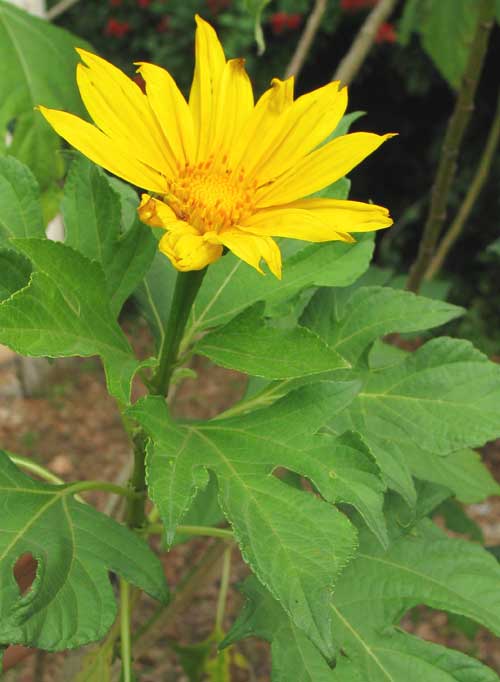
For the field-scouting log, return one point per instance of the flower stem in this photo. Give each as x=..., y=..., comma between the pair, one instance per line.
x=451, y=145
x=186, y=288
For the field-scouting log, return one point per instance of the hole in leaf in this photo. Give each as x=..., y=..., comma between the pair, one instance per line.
x=25, y=572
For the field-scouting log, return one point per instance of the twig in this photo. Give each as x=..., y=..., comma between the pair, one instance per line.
x=306, y=39
x=362, y=44
x=451, y=145
x=60, y=8
x=473, y=193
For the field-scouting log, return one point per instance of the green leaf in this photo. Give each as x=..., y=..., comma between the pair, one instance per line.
x=154, y=295
x=310, y=540
x=423, y=567
x=38, y=64
x=36, y=144
x=20, y=212
x=63, y=312
x=16, y=271
x=250, y=344
x=92, y=212
x=71, y=602
x=442, y=398
x=344, y=470
x=294, y=656
x=350, y=326
x=462, y=472
x=230, y=285
x=446, y=29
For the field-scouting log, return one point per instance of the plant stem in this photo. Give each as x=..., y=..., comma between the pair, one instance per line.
x=223, y=590
x=206, y=531
x=306, y=39
x=186, y=288
x=35, y=468
x=362, y=44
x=473, y=193
x=84, y=486
x=451, y=145
x=125, y=637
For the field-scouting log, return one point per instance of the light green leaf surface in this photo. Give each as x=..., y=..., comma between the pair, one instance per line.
x=92, y=212
x=231, y=286
x=36, y=144
x=252, y=345
x=462, y=472
x=63, y=312
x=38, y=64
x=349, y=322
x=297, y=561
x=294, y=656
x=442, y=398
x=422, y=567
x=71, y=602
x=20, y=210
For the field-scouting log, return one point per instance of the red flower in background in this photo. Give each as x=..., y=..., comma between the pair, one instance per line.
x=356, y=5
x=115, y=3
x=163, y=25
x=143, y=4
x=386, y=33
x=116, y=28
x=280, y=21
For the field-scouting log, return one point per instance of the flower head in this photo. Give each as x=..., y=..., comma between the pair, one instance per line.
x=386, y=33
x=221, y=171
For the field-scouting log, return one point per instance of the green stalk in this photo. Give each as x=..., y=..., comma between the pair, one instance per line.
x=451, y=145
x=186, y=288
x=224, y=587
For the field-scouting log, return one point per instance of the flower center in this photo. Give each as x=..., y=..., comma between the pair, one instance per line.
x=211, y=198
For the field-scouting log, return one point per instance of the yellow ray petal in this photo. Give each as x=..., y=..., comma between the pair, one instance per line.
x=320, y=168
x=308, y=121
x=233, y=106
x=345, y=215
x=122, y=111
x=171, y=110
x=209, y=66
x=188, y=250
x=260, y=129
x=102, y=150
x=251, y=248
x=295, y=223
x=156, y=213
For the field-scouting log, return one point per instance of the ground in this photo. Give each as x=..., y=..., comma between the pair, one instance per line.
x=73, y=427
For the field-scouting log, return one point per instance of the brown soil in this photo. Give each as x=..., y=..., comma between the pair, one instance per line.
x=74, y=428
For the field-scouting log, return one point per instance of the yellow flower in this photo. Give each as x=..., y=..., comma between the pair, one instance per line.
x=222, y=171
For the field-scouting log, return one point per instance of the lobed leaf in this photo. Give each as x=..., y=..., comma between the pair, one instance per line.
x=62, y=312
x=294, y=542
x=71, y=602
